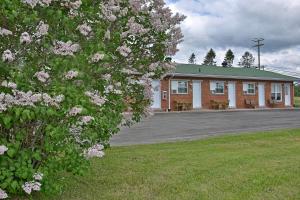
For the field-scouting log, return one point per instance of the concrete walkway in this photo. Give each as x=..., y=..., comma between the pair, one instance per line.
x=166, y=127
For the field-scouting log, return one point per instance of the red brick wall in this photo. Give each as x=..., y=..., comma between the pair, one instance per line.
x=207, y=96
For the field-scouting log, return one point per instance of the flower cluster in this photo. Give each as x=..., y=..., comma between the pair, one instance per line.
x=19, y=98
x=42, y=76
x=124, y=50
x=87, y=119
x=41, y=29
x=3, y=149
x=9, y=84
x=5, y=32
x=3, y=194
x=25, y=38
x=71, y=74
x=97, y=57
x=8, y=56
x=75, y=111
x=66, y=48
x=34, y=3
x=28, y=187
x=96, y=98
x=95, y=151
x=85, y=29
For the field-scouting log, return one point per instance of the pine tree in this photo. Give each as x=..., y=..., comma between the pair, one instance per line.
x=228, y=60
x=247, y=60
x=192, y=59
x=210, y=58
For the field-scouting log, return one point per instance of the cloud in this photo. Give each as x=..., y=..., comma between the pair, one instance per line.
x=223, y=24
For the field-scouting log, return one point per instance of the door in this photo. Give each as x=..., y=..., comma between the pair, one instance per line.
x=287, y=90
x=261, y=95
x=231, y=95
x=156, y=103
x=197, y=97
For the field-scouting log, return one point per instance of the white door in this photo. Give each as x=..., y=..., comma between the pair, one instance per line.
x=197, y=103
x=261, y=95
x=287, y=90
x=156, y=104
x=231, y=95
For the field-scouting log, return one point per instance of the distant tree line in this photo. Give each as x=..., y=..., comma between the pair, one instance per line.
x=247, y=60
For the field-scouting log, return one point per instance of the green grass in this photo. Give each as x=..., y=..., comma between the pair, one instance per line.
x=297, y=102
x=263, y=165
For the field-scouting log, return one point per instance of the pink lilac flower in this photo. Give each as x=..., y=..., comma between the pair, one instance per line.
x=42, y=29
x=28, y=187
x=71, y=74
x=86, y=119
x=75, y=111
x=5, y=32
x=97, y=57
x=42, y=76
x=65, y=48
x=8, y=56
x=3, y=194
x=3, y=149
x=9, y=85
x=124, y=50
x=95, y=151
x=96, y=98
x=25, y=38
x=85, y=29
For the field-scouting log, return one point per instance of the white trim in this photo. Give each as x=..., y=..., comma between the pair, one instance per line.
x=180, y=80
x=245, y=92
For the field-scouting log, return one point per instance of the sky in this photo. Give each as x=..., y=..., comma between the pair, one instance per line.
x=224, y=24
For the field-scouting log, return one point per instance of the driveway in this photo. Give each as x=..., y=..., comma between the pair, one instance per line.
x=166, y=127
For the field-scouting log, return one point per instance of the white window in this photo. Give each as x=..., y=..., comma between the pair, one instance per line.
x=249, y=88
x=276, y=92
x=217, y=87
x=179, y=87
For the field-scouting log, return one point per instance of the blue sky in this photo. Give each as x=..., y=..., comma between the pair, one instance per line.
x=224, y=24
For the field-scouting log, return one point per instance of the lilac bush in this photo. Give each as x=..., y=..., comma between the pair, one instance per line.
x=71, y=73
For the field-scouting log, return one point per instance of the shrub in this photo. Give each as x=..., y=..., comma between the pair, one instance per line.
x=71, y=73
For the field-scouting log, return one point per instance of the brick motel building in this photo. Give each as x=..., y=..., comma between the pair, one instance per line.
x=195, y=87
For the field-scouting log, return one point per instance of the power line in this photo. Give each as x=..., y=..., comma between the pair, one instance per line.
x=258, y=45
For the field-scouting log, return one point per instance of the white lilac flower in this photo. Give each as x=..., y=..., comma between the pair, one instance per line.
x=42, y=76
x=87, y=119
x=25, y=38
x=97, y=57
x=124, y=50
x=75, y=111
x=3, y=194
x=107, y=35
x=3, y=149
x=71, y=74
x=8, y=56
x=38, y=176
x=42, y=29
x=5, y=32
x=85, y=29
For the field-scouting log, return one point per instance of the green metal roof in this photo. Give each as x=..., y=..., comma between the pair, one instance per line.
x=228, y=72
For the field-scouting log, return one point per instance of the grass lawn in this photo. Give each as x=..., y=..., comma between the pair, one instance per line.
x=297, y=101
x=263, y=165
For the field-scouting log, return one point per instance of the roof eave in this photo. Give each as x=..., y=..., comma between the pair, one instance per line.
x=231, y=77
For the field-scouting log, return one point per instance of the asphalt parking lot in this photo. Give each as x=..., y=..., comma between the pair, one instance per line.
x=168, y=127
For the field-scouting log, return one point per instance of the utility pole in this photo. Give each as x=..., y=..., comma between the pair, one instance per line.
x=258, y=45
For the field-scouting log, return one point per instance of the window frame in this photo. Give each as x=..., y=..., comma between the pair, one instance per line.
x=276, y=91
x=177, y=89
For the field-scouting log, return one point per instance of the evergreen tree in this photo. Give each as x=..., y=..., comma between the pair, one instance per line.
x=247, y=60
x=210, y=58
x=192, y=59
x=228, y=60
